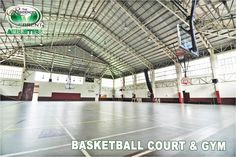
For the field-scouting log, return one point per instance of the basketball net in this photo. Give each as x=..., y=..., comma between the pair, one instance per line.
x=186, y=81
x=180, y=53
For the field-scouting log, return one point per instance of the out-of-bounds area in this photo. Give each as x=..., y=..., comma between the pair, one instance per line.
x=47, y=128
x=117, y=78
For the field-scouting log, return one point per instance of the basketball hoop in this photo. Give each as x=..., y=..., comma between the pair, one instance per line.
x=180, y=53
x=186, y=81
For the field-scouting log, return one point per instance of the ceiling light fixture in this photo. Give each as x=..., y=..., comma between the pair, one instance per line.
x=125, y=27
x=93, y=11
x=149, y=38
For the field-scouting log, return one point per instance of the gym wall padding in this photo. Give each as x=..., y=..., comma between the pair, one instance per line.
x=65, y=96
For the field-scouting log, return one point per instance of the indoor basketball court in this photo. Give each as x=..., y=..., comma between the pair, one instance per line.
x=117, y=78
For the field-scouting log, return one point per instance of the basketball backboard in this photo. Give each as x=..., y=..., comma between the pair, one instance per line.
x=187, y=41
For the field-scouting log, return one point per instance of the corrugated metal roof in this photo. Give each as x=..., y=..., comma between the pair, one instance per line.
x=110, y=36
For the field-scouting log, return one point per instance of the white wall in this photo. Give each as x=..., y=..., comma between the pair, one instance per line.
x=228, y=89
x=46, y=88
x=128, y=92
x=200, y=91
x=118, y=93
x=30, y=76
x=141, y=93
x=10, y=88
x=166, y=92
x=86, y=89
x=106, y=91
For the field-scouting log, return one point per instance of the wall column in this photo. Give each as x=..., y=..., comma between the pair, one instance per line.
x=135, y=83
x=214, y=68
x=113, y=88
x=99, y=88
x=179, y=83
x=123, y=86
x=153, y=82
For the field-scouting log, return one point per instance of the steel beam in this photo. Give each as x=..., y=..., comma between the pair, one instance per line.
x=132, y=51
x=114, y=37
x=52, y=52
x=229, y=34
x=131, y=69
x=153, y=37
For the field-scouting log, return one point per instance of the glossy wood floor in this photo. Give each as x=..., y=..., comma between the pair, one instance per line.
x=47, y=128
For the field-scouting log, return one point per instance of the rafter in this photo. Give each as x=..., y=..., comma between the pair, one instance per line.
x=107, y=31
x=131, y=69
x=221, y=33
x=51, y=51
x=153, y=37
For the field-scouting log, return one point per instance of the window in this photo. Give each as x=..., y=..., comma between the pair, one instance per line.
x=140, y=78
x=118, y=82
x=107, y=82
x=8, y=72
x=227, y=62
x=77, y=80
x=60, y=78
x=199, y=67
x=165, y=73
x=42, y=76
x=129, y=80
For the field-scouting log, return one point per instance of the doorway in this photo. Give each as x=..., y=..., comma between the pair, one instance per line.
x=36, y=92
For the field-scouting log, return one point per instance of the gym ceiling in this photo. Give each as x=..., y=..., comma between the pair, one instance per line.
x=114, y=38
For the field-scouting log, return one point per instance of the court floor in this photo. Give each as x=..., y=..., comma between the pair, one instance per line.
x=47, y=128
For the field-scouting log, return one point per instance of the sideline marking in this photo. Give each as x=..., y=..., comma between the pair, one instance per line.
x=125, y=133
x=72, y=137
x=143, y=153
x=204, y=132
x=37, y=150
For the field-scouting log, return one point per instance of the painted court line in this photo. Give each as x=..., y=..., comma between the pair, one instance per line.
x=37, y=150
x=143, y=153
x=67, y=131
x=69, y=144
x=125, y=133
x=72, y=137
x=8, y=127
x=204, y=133
x=12, y=125
x=116, y=115
x=82, y=122
x=109, y=136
